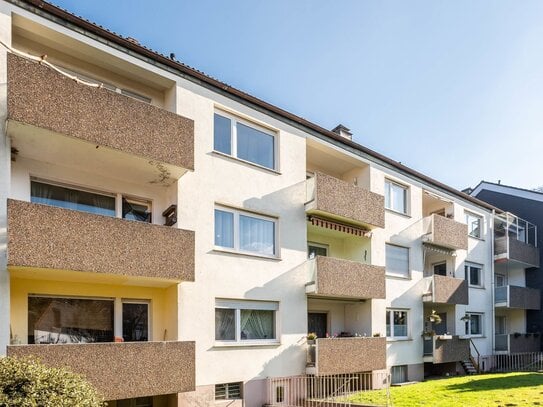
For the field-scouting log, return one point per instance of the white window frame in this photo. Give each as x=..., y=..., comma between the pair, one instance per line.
x=320, y=245
x=236, y=226
x=234, y=120
x=468, y=214
x=388, y=190
x=238, y=305
x=391, y=323
x=228, y=390
x=408, y=275
x=467, y=270
x=481, y=324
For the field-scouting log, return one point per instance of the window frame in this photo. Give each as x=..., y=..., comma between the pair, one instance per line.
x=228, y=391
x=468, y=265
x=468, y=214
x=236, y=232
x=388, y=190
x=468, y=324
x=318, y=245
x=390, y=323
x=237, y=306
x=408, y=275
x=234, y=120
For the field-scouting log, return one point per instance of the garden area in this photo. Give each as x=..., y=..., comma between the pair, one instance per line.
x=505, y=390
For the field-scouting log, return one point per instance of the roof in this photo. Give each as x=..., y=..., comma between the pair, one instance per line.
x=131, y=45
x=507, y=190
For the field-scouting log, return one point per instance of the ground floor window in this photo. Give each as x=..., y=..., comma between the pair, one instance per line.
x=474, y=323
x=398, y=374
x=228, y=391
x=396, y=324
x=137, y=402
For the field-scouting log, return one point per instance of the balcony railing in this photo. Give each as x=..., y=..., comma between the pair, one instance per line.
x=332, y=277
x=47, y=237
x=445, y=232
x=329, y=356
x=331, y=197
x=122, y=370
x=446, y=290
x=446, y=348
x=41, y=97
x=511, y=296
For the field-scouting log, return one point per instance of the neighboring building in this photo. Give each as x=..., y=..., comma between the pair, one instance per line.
x=175, y=239
x=518, y=279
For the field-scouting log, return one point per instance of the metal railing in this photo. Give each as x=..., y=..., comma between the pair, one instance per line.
x=516, y=228
x=516, y=362
x=329, y=390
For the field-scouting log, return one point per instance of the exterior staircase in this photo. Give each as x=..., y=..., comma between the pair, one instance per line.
x=468, y=367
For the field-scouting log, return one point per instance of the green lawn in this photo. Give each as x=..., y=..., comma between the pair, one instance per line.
x=510, y=389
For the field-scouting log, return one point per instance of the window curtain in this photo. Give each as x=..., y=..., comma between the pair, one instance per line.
x=255, y=146
x=105, y=205
x=256, y=324
x=224, y=228
x=225, y=320
x=257, y=235
x=41, y=193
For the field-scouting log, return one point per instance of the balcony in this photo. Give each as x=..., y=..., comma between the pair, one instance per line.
x=507, y=248
x=47, y=237
x=123, y=370
x=445, y=232
x=49, y=113
x=446, y=290
x=338, y=278
x=336, y=199
x=446, y=349
x=511, y=296
x=517, y=343
x=330, y=356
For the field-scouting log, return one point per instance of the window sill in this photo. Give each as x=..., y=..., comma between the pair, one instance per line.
x=405, y=215
x=247, y=344
x=242, y=161
x=398, y=277
x=478, y=287
x=476, y=238
x=221, y=250
x=471, y=337
x=399, y=339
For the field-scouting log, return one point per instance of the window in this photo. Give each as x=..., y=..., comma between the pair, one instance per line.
x=245, y=321
x=395, y=197
x=398, y=374
x=137, y=402
x=228, y=391
x=243, y=140
x=474, y=274
x=440, y=268
x=244, y=232
x=396, y=324
x=316, y=249
x=135, y=321
x=500, y=280
x=397, y=261
x=474, y=223
x=89, y=201
x=474, y=324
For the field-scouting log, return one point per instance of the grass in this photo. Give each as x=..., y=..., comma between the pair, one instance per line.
x=505, y=390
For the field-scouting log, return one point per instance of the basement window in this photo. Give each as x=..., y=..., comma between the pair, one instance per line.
x=228, y=391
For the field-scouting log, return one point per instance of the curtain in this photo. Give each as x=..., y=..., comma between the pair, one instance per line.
x=255, y=146
x=105, y=205
x=257, y=235
x=225, y=321
x=257, y=324
x=397, y=260
x=224, y=228
x=41, y=193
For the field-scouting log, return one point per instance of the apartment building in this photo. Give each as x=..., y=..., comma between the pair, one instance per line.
x=518, y=281
x=175, y=239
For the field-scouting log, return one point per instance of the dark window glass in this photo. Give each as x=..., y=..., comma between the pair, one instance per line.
x=135, y=322
x=134, y=210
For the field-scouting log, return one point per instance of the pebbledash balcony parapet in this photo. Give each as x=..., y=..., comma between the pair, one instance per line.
x=333, y=198
x=40, y=97
x=339, y=278
x=48, y=237
x=122, y=370
x=510, y=296
x=445, y=232
x=446, y=290
x=446, y=349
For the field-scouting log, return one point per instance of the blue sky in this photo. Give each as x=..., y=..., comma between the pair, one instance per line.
x=453, y=89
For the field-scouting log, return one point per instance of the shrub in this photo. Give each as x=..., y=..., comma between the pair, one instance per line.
x=29, y=383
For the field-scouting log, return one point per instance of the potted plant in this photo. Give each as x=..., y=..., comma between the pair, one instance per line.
x=516, y=334
x=311, y=338
x=377, y=335
x=527, y=335
x=434, y=318
x=536, y=334
x=428, y=334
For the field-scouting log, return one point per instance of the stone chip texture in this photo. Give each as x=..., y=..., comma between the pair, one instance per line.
x=449, y=233
x=39, y=96
x=523, y=252
x=350, y=355
x=450, y=290
x=42, y=236
x=351, y=279
x=451, y=350
x=123, y=370
x=524, y=298
x=348, y=201
x=523, y=344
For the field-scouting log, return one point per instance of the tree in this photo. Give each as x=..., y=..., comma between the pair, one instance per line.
x=29, y=383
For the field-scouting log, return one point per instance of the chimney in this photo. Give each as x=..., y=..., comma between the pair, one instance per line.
x=343, y=131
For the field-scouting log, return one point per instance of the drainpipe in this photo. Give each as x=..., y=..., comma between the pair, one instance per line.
x=493, y=282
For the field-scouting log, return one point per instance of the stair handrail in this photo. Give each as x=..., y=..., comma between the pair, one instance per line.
x=478, y=362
